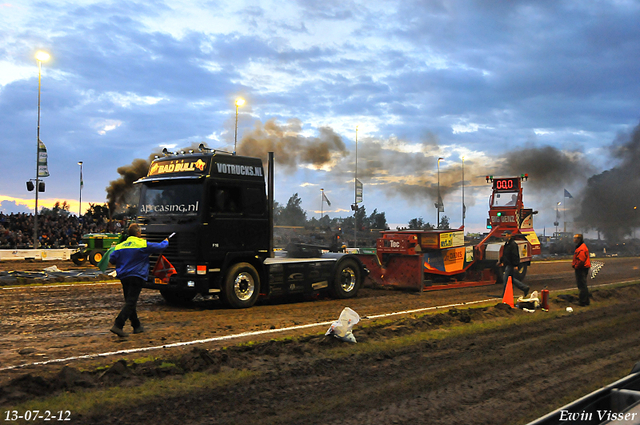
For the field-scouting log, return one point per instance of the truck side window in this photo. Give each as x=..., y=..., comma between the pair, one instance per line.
x=225, y=200
x=254, y=201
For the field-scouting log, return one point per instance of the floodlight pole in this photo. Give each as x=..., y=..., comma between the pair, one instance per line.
x=439, y=198
x=81, y=183
x=355, y=198
x=35, y=215
x=463, y=207
x=239, y=102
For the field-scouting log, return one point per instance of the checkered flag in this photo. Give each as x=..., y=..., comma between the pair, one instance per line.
x=595, y=268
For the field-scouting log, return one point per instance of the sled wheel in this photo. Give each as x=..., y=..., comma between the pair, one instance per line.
x=522, y=272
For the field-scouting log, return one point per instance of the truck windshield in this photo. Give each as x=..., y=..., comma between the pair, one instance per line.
x=505, y=199
x=171, y=198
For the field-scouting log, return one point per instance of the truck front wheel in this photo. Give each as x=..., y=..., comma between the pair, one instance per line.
x=241, y=286
x=347, y=280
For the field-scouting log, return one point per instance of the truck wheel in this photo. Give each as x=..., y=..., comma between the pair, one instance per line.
x=79, y=258
x=177, y=298
x=241, y=286
x=95, y=256
x=347, y=280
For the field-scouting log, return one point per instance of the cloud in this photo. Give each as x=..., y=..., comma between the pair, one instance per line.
x=13, y=207
x=419, y=77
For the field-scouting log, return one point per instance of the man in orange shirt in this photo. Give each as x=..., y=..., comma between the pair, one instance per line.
x=581, y=264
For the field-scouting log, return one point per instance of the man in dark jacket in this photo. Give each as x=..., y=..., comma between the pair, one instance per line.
x=581, y=264
x=131, y=259
x=511, y=260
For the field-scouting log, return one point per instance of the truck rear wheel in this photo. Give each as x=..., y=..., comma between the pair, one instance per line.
x=95, y=256
x=347, y=280
x=241, y=286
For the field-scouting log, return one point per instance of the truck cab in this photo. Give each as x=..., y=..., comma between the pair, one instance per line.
x=216, y=205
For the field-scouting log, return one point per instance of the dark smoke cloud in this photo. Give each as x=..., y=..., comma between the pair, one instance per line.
x=121, y=192
x=290, y=147
x=413, y=176
x=609, y=199
x=549, y=168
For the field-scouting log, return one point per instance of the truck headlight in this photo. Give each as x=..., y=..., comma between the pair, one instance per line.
x=191, y=269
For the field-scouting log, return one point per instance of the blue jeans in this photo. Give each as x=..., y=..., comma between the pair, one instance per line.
x=509, y=271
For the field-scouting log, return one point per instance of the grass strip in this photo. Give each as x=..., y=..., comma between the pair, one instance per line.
x=92, y=401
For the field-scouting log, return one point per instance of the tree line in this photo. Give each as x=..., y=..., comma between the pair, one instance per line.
x=292, y=214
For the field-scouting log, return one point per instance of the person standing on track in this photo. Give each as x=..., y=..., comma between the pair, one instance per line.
x=131, y=259
x=581, y=264
x=511, y=260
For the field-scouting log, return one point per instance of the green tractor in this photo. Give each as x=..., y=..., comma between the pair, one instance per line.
x=93, y=247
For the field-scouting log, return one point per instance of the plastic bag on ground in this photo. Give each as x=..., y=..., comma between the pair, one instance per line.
x=531, y=302
x=52, y=269
x=342, y=328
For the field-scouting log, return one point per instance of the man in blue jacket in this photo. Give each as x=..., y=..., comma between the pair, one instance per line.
x=131, y=259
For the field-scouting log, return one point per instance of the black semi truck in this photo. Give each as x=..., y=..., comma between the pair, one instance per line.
x=216, y=205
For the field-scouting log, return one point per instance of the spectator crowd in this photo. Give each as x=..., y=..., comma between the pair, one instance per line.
x=16, y=230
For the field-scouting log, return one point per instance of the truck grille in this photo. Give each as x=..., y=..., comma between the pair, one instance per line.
x=181, y=249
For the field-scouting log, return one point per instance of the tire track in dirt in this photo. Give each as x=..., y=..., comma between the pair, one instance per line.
x=497, y=376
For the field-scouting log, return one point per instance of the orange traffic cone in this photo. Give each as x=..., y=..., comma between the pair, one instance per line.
x=508, y=294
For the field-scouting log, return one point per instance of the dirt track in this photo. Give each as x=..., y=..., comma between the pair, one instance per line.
x=503, y=376
x=470, y=378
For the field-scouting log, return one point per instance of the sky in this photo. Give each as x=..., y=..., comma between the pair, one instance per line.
x=547, y=88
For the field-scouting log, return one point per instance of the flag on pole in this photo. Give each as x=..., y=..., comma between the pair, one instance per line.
x=104, y=263
x=439, y=205
x=324, y=198
x=358, y=191
x=43, y=169
x=567, y=194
